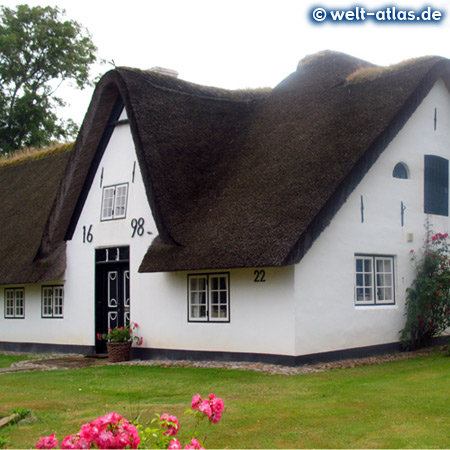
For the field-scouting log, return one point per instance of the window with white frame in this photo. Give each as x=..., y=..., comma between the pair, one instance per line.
x=114, y=202
x=14, y=303
x=374, y=280
x=52, y=301
x=209, y=297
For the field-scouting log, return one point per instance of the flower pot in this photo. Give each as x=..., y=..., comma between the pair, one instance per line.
x=119, y=351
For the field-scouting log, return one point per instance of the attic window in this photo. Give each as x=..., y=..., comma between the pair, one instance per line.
x=400, y=171
x=114, y=202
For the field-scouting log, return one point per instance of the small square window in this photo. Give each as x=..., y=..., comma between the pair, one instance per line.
x=114, y=202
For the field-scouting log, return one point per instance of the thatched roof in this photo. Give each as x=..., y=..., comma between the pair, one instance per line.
x=304, y=149
x=250, y=178
x=27, y=191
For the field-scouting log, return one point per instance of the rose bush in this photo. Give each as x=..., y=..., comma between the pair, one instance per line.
x=110, y=431
x=113, y=431
x=428, y=299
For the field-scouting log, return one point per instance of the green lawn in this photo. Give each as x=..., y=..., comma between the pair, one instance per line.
x=403, y=404
x=7, y=360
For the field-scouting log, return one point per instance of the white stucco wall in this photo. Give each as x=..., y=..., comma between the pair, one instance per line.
x=326, y=316
x=261, y=313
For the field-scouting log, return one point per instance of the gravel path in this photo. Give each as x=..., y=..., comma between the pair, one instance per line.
x=58, y=362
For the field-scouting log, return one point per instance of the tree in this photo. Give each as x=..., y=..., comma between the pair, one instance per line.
x=39, y=50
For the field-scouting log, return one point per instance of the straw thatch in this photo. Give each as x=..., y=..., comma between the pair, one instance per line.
x=249, y=178
x=306, y=147
x=27, y=192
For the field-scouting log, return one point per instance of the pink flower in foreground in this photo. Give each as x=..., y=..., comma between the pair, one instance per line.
x=174, y=444
x=171, y=423
x=48, y=442
x=205, y=407
x=75, y=441
x=194, y=445
x=141, y=341
x=211, y=407
x=217, y=405
x=196, y=401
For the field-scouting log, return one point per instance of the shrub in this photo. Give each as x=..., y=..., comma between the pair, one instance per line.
x=115, y=432
x=428, y=299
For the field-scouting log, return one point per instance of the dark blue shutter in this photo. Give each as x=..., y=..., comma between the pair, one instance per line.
x=436, y=185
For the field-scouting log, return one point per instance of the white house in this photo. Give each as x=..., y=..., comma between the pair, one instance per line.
x=267, y=225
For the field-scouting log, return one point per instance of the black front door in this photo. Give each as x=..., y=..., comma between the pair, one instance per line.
x=112, y=296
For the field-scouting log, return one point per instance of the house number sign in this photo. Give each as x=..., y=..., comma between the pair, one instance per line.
x=87, y=234
x=260, y=276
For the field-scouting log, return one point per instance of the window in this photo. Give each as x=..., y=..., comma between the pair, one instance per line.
x=209, y=298
x=14, y=303
x=436, y=185
x=374, y=280
x=114, y=202
x=400, y=171
x=52, y=301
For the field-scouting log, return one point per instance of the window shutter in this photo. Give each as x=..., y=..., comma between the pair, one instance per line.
x=436, y=185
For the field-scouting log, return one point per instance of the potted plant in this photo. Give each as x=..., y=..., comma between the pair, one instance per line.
x=119, y=341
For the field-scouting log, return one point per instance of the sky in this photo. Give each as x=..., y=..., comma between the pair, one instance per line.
x=237, y=44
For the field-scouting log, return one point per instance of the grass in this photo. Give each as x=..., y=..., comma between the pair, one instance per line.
x=403, y=404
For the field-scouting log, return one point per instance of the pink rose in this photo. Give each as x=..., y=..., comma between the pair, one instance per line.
x=48, y=442
x=171, y=423
x=217, y=405
x=174, y=444
x=196, y=400
x=205, y=407
x=74, y=441
x=194, y=445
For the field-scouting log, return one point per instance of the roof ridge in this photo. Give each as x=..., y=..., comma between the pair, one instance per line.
x=370, y=73
x=30, y=154
x=196, y=90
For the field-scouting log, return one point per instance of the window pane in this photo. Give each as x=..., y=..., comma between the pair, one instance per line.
x=58, y=301
x=385, y=280
x=359, y=265
x=121, y=201
x=108, y=201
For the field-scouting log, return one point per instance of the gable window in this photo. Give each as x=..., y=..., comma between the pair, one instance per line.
x=209, y=297
x=400, y=171
x=52, y=301
x=436, y=185
x=114, y=202
x=14, y=303
x=374, y=280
